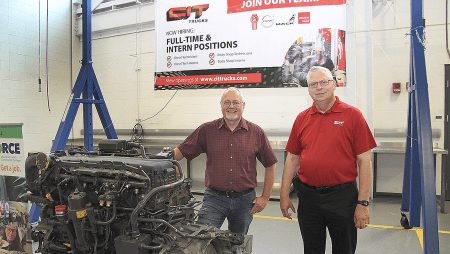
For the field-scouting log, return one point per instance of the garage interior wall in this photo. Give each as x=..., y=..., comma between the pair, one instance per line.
x=22, y=102
x=378, y=52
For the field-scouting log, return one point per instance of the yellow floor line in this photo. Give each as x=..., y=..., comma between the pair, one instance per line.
x=414, y=229
x=418, y=231
x=270, y=217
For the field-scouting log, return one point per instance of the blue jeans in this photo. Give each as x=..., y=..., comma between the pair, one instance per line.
x=217, y=207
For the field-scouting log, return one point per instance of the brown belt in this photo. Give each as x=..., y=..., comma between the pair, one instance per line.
x=232, y=194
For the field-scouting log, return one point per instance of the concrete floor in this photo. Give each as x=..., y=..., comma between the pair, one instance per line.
x=273, y=234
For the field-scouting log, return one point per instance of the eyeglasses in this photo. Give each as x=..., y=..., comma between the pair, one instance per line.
x=228, y=103
x=11, y=230
x=322, y=83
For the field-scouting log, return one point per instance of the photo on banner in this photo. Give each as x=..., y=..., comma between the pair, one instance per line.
x=253, y=43
x=15, y=228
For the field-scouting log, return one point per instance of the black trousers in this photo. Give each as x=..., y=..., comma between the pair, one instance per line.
x=319, y=210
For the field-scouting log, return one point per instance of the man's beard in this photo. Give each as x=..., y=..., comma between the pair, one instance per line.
x=229, y=118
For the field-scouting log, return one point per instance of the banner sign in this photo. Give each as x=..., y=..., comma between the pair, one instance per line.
x=252, y=43
x=12, y=160
x=14, y=216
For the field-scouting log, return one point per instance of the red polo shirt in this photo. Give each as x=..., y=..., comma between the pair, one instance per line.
x=230, y=155
x=328, y=143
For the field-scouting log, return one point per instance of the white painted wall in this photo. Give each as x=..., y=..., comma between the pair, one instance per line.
x=21, y=101
x=391, y=49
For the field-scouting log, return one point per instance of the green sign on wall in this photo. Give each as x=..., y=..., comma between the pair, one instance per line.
x=13, y=131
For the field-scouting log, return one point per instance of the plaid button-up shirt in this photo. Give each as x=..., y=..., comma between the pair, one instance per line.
x=231, y=155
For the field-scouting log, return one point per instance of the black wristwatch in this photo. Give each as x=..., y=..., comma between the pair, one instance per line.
x=363, y=202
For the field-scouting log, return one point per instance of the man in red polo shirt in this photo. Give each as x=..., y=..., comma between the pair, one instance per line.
x=232, y=145
x=327, y=144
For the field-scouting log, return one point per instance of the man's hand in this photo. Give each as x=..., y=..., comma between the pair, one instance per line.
x=291, y=166
x=285, y=204
x=362, y=216
x=260, y=204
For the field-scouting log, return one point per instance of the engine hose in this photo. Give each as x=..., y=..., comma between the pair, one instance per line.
x=143, y=202
x=179, y=168
x=176, y=220
x=147, y=247
x=95, y=243
x=104, y=223
x=140, y=146
x=60, y=248
x=70, y=178
x=43, y=214
x=37, y=200
x=202, y=236
x=58, y=186
x=143, y=151
x=108, y=231
x=165, y=223
x=62, y=223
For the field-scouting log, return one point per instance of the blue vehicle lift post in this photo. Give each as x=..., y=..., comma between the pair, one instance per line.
x=419, y=179
x=86, y=86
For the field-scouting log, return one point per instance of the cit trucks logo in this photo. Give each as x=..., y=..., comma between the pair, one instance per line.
x=180, y=13
x=341, y=123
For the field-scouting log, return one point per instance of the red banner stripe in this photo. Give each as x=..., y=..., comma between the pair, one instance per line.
x=235, y=6
x=209, y=79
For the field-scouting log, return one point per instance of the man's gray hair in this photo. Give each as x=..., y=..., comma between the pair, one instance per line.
x=235, y=89
x=324, y=70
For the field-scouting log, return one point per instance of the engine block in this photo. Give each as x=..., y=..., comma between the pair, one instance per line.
x=118, y=200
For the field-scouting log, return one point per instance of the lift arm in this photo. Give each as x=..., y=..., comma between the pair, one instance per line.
x=419, y=182
x=86, y=91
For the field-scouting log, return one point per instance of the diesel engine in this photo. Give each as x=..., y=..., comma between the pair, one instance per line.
x=121, y=200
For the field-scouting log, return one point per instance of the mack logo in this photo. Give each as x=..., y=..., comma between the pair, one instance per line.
x=12, y=148
x=179, y=13
x=290, y=22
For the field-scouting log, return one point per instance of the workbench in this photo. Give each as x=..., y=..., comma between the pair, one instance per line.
x=390, y=155
x=155, y=140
